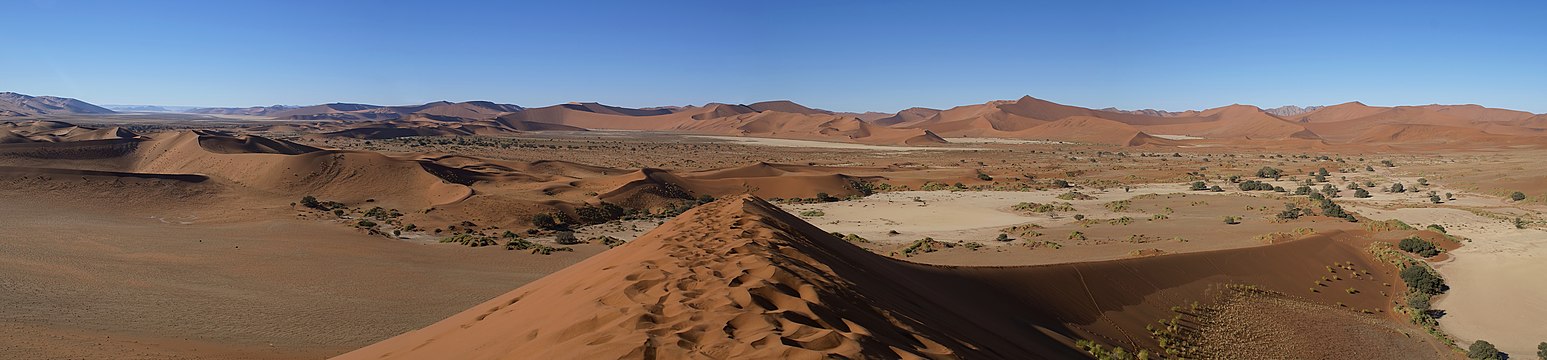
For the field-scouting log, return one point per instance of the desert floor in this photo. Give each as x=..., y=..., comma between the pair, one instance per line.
x=118, y=281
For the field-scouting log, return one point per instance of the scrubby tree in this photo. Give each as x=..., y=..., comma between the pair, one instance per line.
x=1216, y=188
x=1483, y=350
x=1199, y=185
x=1434, y=199
x=1397, y=188
x=545, y=221
x=1541, y=350
x=1361, y=193
x=1322, y=172
x=1420, y=279
x=1269, y=173
x=1423, y=182
x=1418, y=246
x=1517, y=196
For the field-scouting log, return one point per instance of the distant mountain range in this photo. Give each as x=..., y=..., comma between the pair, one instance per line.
x=13, y=104
x=1025, y=118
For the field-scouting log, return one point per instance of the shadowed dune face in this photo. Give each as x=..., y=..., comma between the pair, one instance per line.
x=739, y=278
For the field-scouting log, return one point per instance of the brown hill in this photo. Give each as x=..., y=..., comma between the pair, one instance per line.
x=13, y=104
x=786, y=106
x=907, y=117
x=1010, y=119
x=1087, y=129
x=740, y=278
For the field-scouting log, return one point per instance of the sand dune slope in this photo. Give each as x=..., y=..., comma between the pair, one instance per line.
x=739, y=278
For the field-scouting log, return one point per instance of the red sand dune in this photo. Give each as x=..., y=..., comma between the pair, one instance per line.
x=739, y=278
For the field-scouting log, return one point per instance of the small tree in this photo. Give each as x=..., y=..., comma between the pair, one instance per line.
x=1216, y=188
x=1361, y=193
x=1232, y=220
x=1434, y=199
x=1397, y=188
x=1269, y=172
x=566, y=238
x=1541, y=350
x=1517, y=196
x=1423, y=181
x=1199, y=185
x=1483, y=350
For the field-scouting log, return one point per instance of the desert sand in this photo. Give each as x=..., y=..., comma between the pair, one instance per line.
x=400, y=231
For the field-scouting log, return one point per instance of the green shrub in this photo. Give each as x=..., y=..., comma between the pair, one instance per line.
x=1517, y=196
x=366, y=223
x=1199, y=186
x=1418, y=246
x=1269, y=173
x=1483, y=350
x=1422, y=280
x=813, y=213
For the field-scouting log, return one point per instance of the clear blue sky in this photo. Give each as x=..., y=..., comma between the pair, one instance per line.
x=839, y=55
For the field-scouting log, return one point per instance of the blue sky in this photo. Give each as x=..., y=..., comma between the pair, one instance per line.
x=839, y=55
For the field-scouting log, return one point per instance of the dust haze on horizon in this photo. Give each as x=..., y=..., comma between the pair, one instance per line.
x=856, y=56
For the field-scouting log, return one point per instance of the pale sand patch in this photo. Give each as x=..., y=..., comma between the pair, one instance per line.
x=972, y=140
x=1496, y=288
x=824, y=144
x=955, y=215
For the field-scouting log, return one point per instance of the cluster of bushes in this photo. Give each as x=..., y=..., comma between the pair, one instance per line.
x=1418, y=246
x=1252, y=185
x=1075, y=195
x=813, y=213
x=1043, y=208
x=1291, y=212
x=611, y=242
x=1331, y=209
x=470, y=239
x=312, y=202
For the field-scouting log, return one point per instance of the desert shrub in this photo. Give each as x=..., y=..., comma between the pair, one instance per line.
x=1267, y=172
x=545, y=221
x=1517, y=196
x=1303, y=190
x=1421, y=279
x=1042, y=208
x=1075, y=195
x=565, y=238
x=705, y=199
x=1483, y=350
x=1232, y=220
x=1199, y=186
x=1002, y=237
x=1361, y=193
x=611, y=242
x=1436, y=228
x=1541, y=350
x=1077, y=236
x=824, y=197
x=985, y=177
x=470, y=239
x=1119, y=206
x=1434, y=199
x=1060, y=183
x=1397, y=188
x=1290, y=212
x=1419, y=246
x=1423, y=181
x=311, y=202
x=1388, y=163
x=366, y=223
x=813, y=213
x=1252, y=185
x=855, y=238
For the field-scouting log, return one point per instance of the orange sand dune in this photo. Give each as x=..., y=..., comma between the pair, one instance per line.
x=1013, y=119
x=739, y=278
